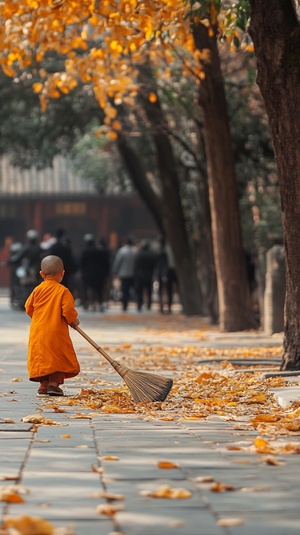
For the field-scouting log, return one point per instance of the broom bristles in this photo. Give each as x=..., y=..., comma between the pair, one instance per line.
x=145, y=386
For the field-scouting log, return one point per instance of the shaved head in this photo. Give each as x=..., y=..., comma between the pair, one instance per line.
x=52, y=265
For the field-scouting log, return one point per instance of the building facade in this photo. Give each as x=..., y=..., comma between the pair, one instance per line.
x=56, y=198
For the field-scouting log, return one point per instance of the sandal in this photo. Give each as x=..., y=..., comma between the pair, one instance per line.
x=54, y=391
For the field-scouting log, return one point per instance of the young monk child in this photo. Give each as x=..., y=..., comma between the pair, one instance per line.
x=51, y=355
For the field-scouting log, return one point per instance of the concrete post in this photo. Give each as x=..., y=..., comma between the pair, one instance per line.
x=275, y=290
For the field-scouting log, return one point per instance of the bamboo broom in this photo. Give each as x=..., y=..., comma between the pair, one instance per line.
x=143, y=386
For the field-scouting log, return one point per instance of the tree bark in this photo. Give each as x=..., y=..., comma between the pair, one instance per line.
x=275, y=32
x=174, y=223
x=139, y=180
x=235, y=310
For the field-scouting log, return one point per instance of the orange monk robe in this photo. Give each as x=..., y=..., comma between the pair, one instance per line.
x=50, y=348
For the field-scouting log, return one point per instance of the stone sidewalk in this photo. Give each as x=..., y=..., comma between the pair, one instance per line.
x=73, y=472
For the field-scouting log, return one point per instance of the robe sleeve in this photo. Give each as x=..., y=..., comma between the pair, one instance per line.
x=68, y=309
x=29, y=305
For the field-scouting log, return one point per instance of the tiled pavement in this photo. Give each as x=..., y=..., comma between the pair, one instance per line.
x=60, y=473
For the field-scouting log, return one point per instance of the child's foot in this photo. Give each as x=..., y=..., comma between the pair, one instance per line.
x=54, y=391
x=42, y=391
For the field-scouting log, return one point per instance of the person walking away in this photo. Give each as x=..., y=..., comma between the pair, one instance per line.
x=90, y=266
x=166, y=276
x=14, y=287
x=105, y=272
x=51, y=356
x=62, y=249
x=143, y=274
x=47, y=241
x=27, y=261
x=123, y=267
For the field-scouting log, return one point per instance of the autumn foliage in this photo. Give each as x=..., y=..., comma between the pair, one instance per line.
x=102, y=44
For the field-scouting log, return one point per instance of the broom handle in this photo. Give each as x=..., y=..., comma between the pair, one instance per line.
x=101, y=351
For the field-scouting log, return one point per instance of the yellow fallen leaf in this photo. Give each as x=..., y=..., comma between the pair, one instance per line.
x=227, y=522
x=108, y=509
x=38, y=419
x=14, y=488
x=10, y=496
x=110, y=458
x=262, y=446
x=265, y=418
x=292, y=426
x=221, y=487
x=167, y=492
x=28, y=525
x=97, y=469
x=167, y=465
x=79, y=415
x=65, y=436
x=204, y=376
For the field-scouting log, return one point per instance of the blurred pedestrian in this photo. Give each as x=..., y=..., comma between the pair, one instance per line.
x=105, y=271
x=27, y=261
x=124, y=268
x=62, y=248
x=91, y=270
x=143, y=274
x=51, y=356
x=47, y=241
x=14, y=248
x=166, y=276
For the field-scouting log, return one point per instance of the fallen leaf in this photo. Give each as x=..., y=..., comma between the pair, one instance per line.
x=110, y=458
x=10, y=495
x=38, y=419
x=221, y=487
x=108, y=509
x=65, y=436
x=262, y=446
x=108, y=496
x=28, y=525
x=227, y=522
x=167, y=492
x=16, y=380
x=272, y=461
x=167, y=465
x=204, y=479
x=97, y=469
x=79, y=415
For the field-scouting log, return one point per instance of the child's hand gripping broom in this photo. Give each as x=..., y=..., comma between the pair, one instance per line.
x=143, y=386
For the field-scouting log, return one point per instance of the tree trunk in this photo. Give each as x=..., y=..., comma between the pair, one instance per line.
x=235, y=310
x=174, y=223
x=275, y=32
x=207, y=253
x=139, y=180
